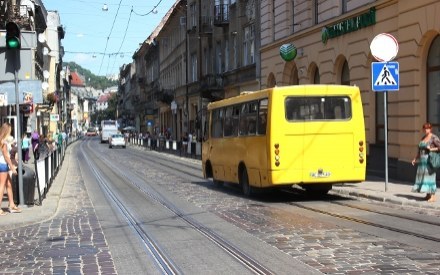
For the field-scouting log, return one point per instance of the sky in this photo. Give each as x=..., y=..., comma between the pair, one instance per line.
x=103, y=41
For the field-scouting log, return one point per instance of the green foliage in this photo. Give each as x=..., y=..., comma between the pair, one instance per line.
x=109, y=113
x=97, y=82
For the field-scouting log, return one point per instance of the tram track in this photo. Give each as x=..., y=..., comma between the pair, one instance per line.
x=162, y=163
x=163, y=262
x=365, y=222
x=166, y=265
x=386, y=213
x=345, y=217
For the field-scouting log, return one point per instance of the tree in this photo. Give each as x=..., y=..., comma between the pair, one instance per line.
x=92, y=80
x=109, y=113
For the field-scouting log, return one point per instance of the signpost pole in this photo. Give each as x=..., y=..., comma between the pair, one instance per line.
x=385, y=114
x=384, y=48
x=18, y=137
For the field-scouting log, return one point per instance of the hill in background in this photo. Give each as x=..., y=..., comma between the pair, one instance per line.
x=92, y=80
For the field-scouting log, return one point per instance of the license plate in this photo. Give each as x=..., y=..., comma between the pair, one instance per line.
x=320, y=174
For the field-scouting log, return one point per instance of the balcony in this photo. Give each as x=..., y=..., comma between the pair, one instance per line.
x=211, y=87
x=164, y=97
x=221, y=15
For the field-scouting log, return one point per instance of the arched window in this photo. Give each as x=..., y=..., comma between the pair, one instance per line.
x=433, y=83
x=294, y=80
x=271, y=81
x=345, y=74
x=316, y=77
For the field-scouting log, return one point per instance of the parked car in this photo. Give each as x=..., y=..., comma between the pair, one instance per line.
x=91, y=132
x=116, y=140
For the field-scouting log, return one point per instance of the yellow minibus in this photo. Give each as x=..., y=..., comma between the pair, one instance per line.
x=310, y=135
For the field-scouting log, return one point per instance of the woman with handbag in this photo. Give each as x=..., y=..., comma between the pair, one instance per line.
x=425, y=181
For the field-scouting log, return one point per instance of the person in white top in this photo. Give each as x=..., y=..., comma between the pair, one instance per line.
x=6, y=165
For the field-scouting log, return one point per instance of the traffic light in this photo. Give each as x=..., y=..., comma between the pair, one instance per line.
x=13, y=40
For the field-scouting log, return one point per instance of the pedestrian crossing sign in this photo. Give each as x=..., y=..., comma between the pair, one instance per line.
x=385, y=76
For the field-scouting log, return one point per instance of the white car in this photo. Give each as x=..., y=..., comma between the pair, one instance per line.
x=116, y=140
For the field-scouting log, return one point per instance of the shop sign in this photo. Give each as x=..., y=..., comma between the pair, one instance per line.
x=349, y=25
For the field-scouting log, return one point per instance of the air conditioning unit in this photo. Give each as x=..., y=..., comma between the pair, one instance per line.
x=182, y=21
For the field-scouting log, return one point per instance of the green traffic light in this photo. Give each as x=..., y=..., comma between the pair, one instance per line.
x=13, y=36
x=13, y=43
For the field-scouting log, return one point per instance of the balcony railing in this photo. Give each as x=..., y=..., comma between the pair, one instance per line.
x=212, y=87
x=221, y=15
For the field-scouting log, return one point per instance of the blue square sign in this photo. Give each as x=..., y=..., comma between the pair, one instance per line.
x=385, y=76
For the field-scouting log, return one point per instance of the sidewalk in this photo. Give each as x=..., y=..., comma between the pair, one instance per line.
x=32, y=214
x=398, y=193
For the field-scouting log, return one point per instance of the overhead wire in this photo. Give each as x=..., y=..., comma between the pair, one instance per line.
x=123, y=39
x=154, y=11
x=98, y=53
x=108, y=37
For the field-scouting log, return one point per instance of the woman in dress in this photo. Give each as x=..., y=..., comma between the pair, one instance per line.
x=425, y=181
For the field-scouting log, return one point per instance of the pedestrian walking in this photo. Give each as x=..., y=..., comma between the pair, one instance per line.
x=35, y=138
x=6, y=165
x=185, y=143
x=25, y=144
x=425, y=181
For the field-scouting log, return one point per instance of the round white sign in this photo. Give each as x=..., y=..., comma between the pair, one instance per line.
x=44, y=85
x=384, y=47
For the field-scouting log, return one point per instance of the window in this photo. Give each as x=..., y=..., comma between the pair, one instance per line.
x=231, y=121
x=206, y=59
x=194, y=67
x=193, y=15
x=249, y=45
x=248, y=118
x=433, y=83
x=226, y=55
x=262, y=117
x=315, y=11
x=316, y=78
x=234, y=46
x=317, y=108
x=344, y=6
x=217, y=123
x=218, y=54
x=345, y=74
x=292, y=15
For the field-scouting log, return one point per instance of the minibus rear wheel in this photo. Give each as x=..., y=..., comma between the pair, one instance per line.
x=244, y=181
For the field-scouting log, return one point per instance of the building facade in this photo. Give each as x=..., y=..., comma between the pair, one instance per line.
x=333, y=41
x=41, y=61
x=200, y=52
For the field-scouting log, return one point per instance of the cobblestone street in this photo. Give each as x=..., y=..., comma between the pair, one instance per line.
x=328, y=248
x=72, y=242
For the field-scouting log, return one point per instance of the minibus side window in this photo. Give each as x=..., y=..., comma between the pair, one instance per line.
x=217, y=123
x=262, y=117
